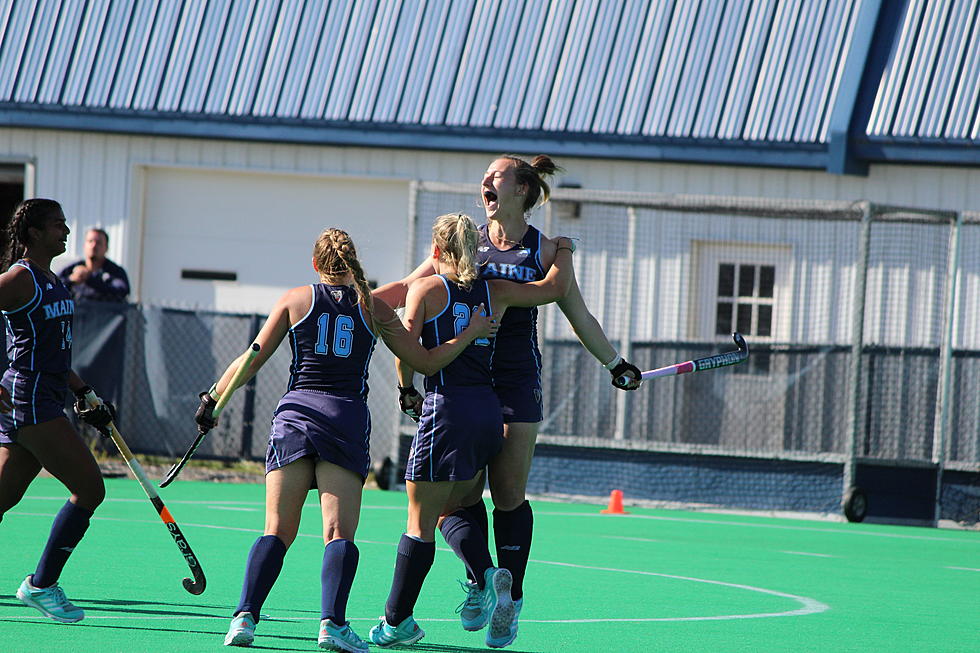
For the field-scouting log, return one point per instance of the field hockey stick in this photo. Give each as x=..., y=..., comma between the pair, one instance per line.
x=249, y=356
x=195, y=586
x=707, y=363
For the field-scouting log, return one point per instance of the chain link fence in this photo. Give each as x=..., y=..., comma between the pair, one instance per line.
x=167, y=356
x=863, y=323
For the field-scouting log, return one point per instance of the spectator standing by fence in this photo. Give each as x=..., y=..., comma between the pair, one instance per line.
x=95, y=277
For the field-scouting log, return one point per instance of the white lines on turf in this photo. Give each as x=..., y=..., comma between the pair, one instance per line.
x=807, y=605
x=963, y=568
x=235, y=508
x=630, y=539
x=805, y=553
x=844, y=530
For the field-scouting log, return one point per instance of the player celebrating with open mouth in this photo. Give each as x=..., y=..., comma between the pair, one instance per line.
x=511, y=248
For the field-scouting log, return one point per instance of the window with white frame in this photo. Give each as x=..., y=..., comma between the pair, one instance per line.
x=745, y=299
x=744, y=287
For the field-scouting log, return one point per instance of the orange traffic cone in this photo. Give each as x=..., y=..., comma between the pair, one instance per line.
x=615, y=504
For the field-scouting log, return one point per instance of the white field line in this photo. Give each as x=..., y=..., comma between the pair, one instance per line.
x=963, y=568
x=805, y=529
x=807, y=605
x=687, y=520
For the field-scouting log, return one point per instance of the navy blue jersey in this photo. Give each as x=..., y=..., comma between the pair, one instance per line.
x=39, y=332
x=472, y=367
x=332, y=344
x=516, y=347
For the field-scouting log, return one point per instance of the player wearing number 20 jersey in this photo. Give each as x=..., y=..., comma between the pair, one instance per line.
x=460, y=428
x=39, y=351
x=324, y=411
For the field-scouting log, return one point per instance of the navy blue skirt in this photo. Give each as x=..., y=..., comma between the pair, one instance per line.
x=459, y=432
x=37, y=397
x=334, y=428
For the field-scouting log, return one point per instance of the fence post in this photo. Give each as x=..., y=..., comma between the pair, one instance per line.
x=248, y=405
x=942, y=421
x=411, y=256
x=625, y=346
x=857, y=347
x=544, y=312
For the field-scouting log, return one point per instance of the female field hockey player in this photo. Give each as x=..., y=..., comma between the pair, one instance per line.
x=460, y=429
x=321, y=426
x=510, y=248
x=34, y=431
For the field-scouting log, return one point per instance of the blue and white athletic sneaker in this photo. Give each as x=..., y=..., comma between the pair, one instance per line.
x=471, y=612
x=340, y=638
x=407, y=632
x=241, y=632
x=50, y=601
x=498, y=604
x=518, y=604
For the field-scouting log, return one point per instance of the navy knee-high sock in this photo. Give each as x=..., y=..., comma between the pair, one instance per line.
x=261, y=571
x=469, y=542
x=69, y=526
x=411, y=566
x=478, y=513
x=336, y=577
x=512, y=535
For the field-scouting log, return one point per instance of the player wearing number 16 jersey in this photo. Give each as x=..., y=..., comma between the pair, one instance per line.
x=320, y=428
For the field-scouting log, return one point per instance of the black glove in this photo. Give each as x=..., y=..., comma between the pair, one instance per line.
x=410, y=401
x=205, y=413
x=99, y=417
x=624, y=382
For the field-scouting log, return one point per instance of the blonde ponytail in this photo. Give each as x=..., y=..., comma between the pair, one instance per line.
x=456, y=237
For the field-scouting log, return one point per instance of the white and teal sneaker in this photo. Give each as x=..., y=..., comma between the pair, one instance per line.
x=50, y=601
x=498, y=604
x=340, y=638
x=471, y=611
x=241, y=632
x=518, y=604
x=405, y=633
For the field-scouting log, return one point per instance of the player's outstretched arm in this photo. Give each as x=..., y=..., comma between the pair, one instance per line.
x=270, y=335
x=589, y=332
x=394, y=294
x=593, y=338
x=403, y=340
x=552, y=288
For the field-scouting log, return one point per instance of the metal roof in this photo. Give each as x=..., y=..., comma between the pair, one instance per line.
x=742, y=80
x=930, y=88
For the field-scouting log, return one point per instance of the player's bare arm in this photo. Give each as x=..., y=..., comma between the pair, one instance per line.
x=429, y=361
x=295, y=302
x=394, y=294
x=16, y=288
x=552, y=288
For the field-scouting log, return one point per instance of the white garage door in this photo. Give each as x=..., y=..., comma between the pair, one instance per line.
x=259, y=229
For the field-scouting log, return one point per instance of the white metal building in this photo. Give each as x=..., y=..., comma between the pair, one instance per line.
x=222, y=135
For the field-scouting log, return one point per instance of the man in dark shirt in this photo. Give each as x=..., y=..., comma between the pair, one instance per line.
x=95, y=277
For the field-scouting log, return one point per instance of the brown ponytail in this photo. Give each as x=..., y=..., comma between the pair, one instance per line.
x=335, y=256
x=534, y=176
